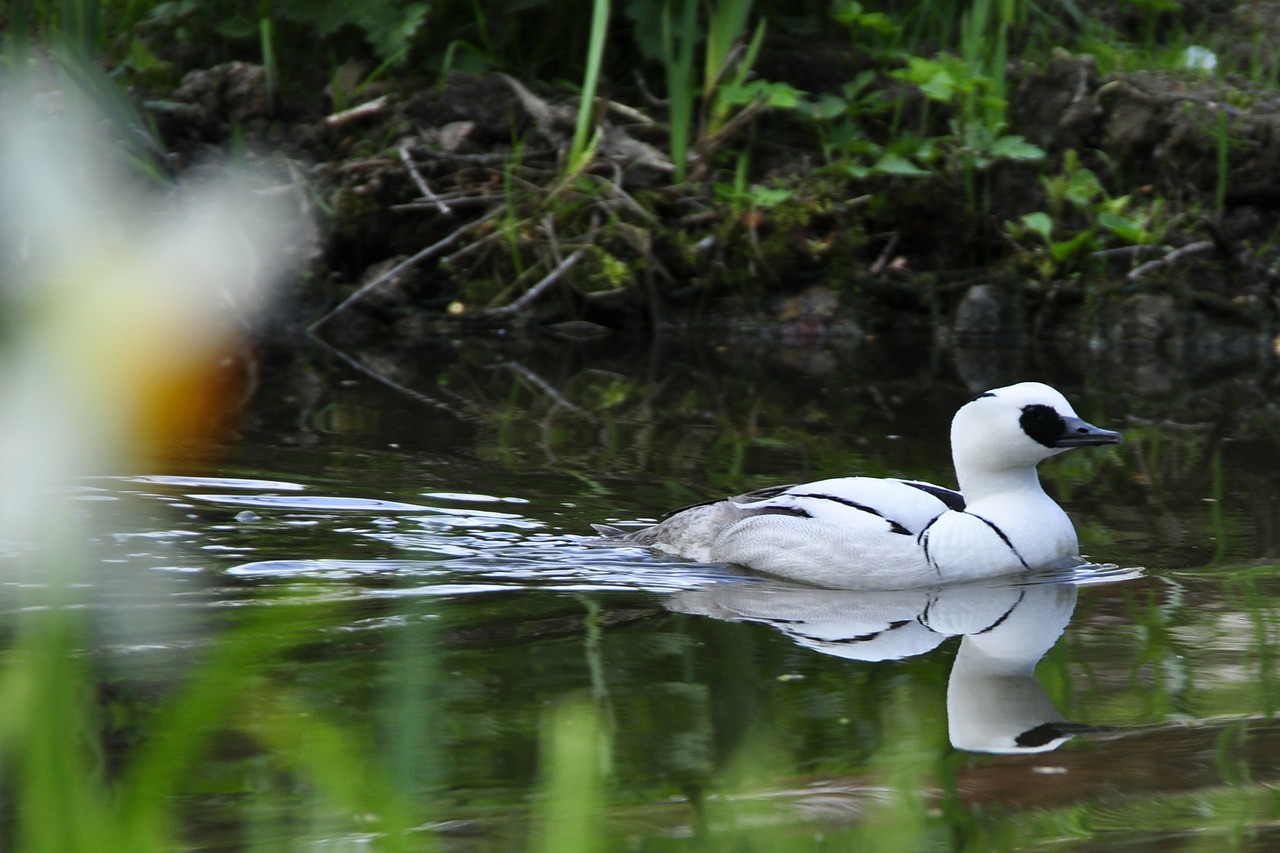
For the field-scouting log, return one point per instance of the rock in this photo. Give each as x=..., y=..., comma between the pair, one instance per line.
x=209, y=102
x=1055, y=108
x=983, y=312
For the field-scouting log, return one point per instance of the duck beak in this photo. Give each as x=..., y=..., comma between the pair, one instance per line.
x=1078, y=433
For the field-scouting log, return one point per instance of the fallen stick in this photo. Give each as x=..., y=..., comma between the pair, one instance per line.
x=404, y=265
x=1170, y=258
x=886, y=255
x=541, y=384
x=538, y=289
x=421, y=182
x=420, y=397
x=368, y=108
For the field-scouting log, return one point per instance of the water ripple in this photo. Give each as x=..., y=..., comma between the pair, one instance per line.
x=377, y=547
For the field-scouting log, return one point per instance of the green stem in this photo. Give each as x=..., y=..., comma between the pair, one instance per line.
x=586, y=109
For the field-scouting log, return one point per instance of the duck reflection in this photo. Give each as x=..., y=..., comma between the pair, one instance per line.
x=994, y=702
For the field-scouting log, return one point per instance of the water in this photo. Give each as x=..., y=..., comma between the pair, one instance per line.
x=431, y=516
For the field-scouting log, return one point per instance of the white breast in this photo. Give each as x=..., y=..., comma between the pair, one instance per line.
x=1002, y=534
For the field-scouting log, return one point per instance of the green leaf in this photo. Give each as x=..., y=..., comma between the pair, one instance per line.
x=846, y=12
x=1129, y=230
x=1040, y=223
x=777, y=95
x=828, y=106
x=1082, y=187
x=1015, y=148
x=767, y=197
x=388, y=25
x=896, y=164
x=857, y=85
x=932, y=78
x=878, y=22
x=1077, y=245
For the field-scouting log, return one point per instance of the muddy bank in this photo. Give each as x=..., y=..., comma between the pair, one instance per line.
x=451, y=207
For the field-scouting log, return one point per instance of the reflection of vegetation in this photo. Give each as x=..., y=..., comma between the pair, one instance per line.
x=652, y=429
x=738, y=430
x=380, y=716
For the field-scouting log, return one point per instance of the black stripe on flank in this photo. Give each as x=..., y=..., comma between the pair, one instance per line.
x=894, y=527
x=1003, y=538
x=861, y=638
x=952, y=500
x=996, y=624
x=923, y=541
x=786, y=510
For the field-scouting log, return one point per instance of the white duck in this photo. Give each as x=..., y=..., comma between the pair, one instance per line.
x=994, y=702
x=868, y=533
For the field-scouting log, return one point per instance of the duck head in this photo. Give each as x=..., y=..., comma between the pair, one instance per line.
x=1007, y=431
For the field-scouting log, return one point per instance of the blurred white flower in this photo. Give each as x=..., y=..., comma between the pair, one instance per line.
x=1199, y=58
x=118, y=299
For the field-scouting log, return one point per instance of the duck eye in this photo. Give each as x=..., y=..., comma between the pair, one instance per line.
x=1042, y=424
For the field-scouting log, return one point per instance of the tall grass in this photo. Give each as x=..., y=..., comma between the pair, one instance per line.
x=726, y=61
x=679, y=41
x=584, y=141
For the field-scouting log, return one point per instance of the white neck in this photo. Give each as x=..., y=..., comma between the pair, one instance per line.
x=978, y=483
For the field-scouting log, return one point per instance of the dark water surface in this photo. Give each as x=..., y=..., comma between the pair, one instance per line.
x=439, y=502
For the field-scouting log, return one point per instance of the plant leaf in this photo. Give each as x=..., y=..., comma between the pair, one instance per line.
x=896, y=164
x=1040, y=223
x=1015, y=148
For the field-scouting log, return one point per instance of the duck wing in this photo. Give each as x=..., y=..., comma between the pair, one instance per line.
x=830, y=532
x=895, y=506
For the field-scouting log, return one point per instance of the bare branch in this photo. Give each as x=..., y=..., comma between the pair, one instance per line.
x=420, y=397
x=886, y=255
x=538, y=289
x=1171, y=258
x=421, y=182
x=368, y=108
x=418, y=258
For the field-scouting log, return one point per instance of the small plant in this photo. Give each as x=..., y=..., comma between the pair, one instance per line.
x=585, y=143
x=969, y=85
x=388, y=25
x=728, y=58
x=1077, y=196
x=973, y=86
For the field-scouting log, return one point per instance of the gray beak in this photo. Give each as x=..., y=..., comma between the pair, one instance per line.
x=1078, y=433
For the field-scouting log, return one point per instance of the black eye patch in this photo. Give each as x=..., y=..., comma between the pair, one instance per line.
x=1042, y=423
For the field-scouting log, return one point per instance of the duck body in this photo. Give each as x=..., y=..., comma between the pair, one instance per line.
x=870, y=533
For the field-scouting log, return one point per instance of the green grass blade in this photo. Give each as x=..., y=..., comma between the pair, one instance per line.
x=586, y=109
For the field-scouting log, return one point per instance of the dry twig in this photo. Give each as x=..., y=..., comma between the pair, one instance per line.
x=538, y=289
x=368, y=108
x=420, y=397
x=886, y=255
x=404, y=265
x=1171, y=258
x=421, y=182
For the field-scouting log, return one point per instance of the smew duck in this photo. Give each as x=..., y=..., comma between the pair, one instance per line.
x=994, y=702
x=870, y=533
